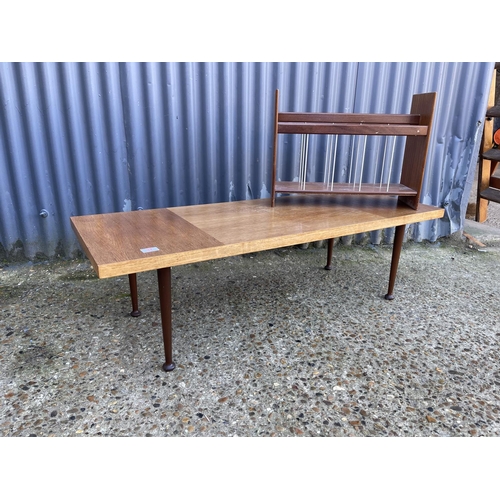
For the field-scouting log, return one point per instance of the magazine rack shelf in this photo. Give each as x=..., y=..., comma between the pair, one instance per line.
x=416, y=126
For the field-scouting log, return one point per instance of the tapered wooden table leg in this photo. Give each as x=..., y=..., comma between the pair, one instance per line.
x=396, y=252
x=165, y=289
x=329, y=255
x=132, y=281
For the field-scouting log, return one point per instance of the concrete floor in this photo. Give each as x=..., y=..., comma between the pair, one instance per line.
x=268, y=344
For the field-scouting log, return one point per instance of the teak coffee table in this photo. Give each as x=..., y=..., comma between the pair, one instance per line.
x=158, y=239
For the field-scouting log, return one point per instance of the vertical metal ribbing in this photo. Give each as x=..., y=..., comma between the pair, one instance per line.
x=328, y=155
x=304, y=145
x=85, y=137
x=353, y=138
x=305, y=163
x=391, y=162
x=356, y=141
x=329, y=163
x=301, y=159
x=334, y=160
x=362, y=162
x=383, y=163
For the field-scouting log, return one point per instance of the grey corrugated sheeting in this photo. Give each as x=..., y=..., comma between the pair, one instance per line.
x=82, y=138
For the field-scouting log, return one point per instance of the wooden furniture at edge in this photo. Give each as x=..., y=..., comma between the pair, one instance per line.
x=488, y=185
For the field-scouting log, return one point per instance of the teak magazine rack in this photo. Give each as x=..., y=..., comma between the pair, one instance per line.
x=416, y=126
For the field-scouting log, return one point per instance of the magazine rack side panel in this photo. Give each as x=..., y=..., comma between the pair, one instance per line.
x=415, y=156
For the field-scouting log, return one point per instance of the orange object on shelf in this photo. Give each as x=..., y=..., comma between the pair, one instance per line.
x=496, y=137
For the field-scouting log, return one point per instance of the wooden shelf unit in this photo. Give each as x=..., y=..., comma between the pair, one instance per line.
x=488, y=184
x=416, y=126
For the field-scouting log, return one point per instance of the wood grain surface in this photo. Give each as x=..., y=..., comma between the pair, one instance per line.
x=126, y=242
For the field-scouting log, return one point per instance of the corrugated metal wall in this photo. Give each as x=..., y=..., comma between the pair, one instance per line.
x=82, y=138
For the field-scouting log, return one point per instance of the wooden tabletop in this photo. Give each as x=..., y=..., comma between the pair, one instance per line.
x=131, y=242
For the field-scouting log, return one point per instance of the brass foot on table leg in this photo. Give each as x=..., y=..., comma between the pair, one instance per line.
x=135, y=314
x=389, y=296
x=168, y=368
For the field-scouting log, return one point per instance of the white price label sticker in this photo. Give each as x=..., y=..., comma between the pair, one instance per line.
x=150, y=249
